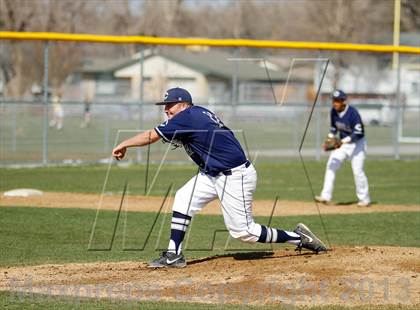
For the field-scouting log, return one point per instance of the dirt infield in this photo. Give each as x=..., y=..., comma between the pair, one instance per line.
x=152, y=204
x=345, y=276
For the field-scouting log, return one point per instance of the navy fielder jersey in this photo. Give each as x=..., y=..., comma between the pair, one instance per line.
x=347, y=123
x=209, y=143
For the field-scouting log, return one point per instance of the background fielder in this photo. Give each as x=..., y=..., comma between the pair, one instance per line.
x=225, y=174
x=346, y=121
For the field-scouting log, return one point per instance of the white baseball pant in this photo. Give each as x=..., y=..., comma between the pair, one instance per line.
x=235, y=193
x=356, y=153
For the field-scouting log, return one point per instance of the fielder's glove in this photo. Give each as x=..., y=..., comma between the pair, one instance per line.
x=331, y=144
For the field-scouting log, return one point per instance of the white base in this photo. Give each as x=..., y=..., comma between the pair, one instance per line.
x=23, y=192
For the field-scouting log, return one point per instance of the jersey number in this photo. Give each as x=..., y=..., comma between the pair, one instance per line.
x=214, y=118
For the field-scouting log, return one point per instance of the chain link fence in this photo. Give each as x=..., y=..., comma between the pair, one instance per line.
x=268, y=132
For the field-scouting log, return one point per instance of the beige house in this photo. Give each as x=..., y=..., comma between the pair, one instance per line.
x=161, y=73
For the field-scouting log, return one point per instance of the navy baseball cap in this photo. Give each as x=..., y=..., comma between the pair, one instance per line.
x=176, y=95
x=339, y=95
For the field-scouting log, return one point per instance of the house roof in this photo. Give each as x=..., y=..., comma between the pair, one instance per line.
x=221, y=64
x=210, y=62
x=102, y=65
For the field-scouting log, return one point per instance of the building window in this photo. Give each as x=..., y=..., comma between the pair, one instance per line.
x=105, y=88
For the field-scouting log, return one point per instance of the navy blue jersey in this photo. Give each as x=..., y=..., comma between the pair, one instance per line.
x=347, y=123
x=209, y=143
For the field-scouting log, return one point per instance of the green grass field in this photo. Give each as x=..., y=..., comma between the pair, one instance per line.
x=391, y=182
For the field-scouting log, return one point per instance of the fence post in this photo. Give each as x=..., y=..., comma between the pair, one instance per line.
x=235, y=78
x=14, y=127
x=318, y=108
x=106, y=134
x=45, y=104
x=397, y=123
x=141, y=99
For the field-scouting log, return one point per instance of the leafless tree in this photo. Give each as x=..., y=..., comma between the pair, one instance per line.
x=22, y=65
x=410, y=15
x=356, y=21
x=52, y=16
x=14, y=20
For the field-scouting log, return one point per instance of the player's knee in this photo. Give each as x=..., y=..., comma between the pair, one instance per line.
x=357, y=170
x=360, y=177
x=184, y=194
x=358, y=174
x=179, y=196
x=181, y=203
x=334, y=164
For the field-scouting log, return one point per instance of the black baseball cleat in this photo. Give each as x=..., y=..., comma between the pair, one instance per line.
x=309, y=240
x=168, y=260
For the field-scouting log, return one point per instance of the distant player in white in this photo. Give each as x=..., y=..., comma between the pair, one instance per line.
x=346, y=121
x=225, y=174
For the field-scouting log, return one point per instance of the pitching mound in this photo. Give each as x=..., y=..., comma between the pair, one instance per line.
x=344, y=276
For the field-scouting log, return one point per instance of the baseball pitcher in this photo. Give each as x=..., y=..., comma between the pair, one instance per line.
x=225, y=174
x=351, y=144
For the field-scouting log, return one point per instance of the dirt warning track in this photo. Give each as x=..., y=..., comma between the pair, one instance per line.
x=152, y=204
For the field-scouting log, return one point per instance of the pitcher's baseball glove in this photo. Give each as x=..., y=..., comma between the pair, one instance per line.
x=331, y=144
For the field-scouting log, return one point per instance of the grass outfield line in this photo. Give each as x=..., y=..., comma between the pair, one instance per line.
x=32, y=236
x=37, y=301
x=391, y=182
